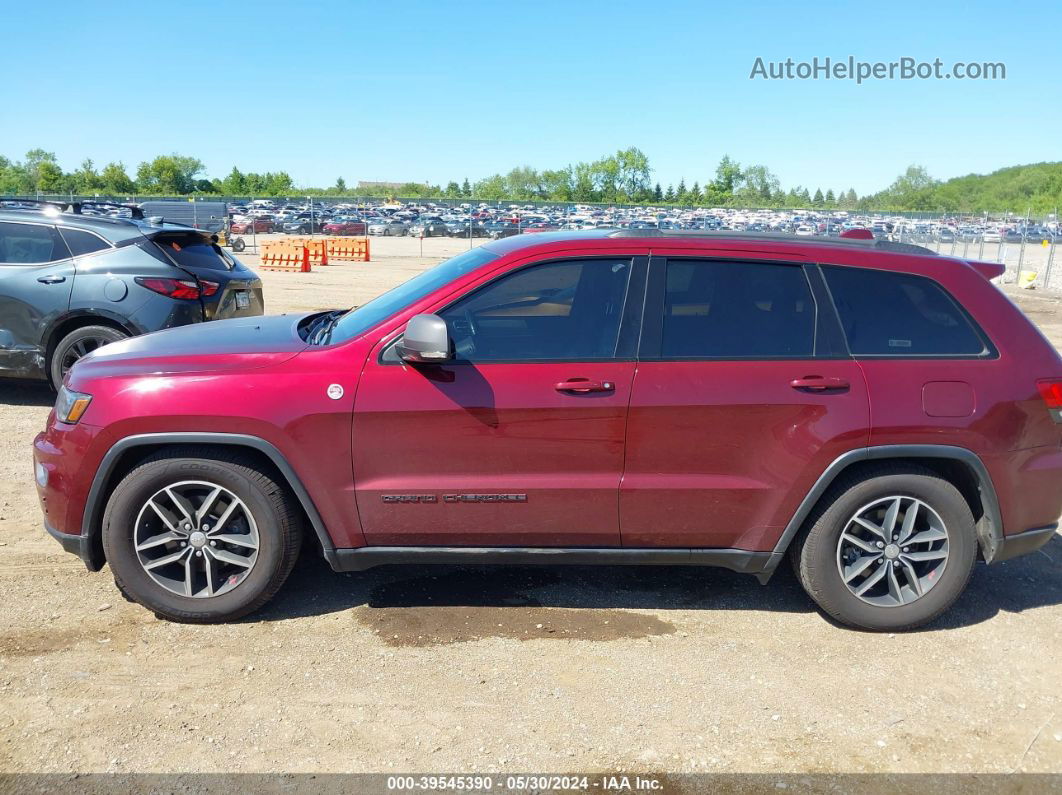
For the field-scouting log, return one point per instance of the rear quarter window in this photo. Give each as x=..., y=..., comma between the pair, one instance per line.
x=900, y=314
x=81, y=243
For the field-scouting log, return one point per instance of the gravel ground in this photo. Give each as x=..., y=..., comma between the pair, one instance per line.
x=527, y=669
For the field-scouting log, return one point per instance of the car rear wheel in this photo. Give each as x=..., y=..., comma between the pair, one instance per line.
x=76, y=345
x=200, y=536
x=889, y=550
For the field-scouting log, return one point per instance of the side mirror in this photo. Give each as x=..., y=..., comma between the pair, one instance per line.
x=425, y=341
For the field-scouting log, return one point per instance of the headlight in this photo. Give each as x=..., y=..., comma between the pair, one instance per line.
x=70, y=406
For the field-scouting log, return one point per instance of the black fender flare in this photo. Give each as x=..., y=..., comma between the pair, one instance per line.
x=92, y=520
x=989, y=527
x=89, y=315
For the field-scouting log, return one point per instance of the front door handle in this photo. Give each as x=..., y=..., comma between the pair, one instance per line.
x=51, y=279
x=582, y=386
x=816, y=383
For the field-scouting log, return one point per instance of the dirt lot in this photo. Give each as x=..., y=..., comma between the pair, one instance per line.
x=537, y=669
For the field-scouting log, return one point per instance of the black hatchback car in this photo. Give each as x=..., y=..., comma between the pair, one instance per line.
x=71, y=282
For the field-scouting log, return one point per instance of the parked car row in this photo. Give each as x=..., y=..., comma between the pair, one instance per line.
x=483, y=220
x=469, y=219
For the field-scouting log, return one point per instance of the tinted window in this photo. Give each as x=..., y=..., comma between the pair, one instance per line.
x=559, y=310
x=80, y=242
x=737, y=310
x=897, y=314
x=193, y=252
x=29, y=244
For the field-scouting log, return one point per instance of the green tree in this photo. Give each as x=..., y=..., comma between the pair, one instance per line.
x=523, y=182
x=279, y=183
x=558, y=184
x=86, y=180
x=695, y=195
x=466, y=189
x=491, y=189
x=115, y=181
x=757, y=186
x=606, y=179
x=235, y=184
x=341, y=186
x=669, y=195
x=727, y=176
x=453, y=190
x=583, y=187
x=168, y=174
x=658, y=195
x=817, y=199
x=681, y=196
x=50, y=178
x=633, y=172
x=35, y=158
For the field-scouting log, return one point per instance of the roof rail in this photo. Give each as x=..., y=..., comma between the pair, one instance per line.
x=883, y=245
x=75, y=206
x=134, y=210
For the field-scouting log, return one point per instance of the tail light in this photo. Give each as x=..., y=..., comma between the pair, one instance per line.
x=181, y=289
x=1051, y=392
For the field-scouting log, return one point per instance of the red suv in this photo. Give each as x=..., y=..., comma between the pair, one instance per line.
x=881, y=415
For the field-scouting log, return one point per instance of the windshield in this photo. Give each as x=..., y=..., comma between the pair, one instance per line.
x=378, y=309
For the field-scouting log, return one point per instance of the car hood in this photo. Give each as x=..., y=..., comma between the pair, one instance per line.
x=235, y=344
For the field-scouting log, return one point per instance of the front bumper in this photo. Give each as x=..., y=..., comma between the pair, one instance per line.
x=76, y=545
x=1023, y=543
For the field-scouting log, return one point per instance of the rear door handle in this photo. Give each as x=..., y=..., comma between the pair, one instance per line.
x=584, y=385
x=51, y=279
x=816, y=383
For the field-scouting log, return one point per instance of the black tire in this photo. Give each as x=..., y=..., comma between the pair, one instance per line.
x=275, y=515
x=238, y=245
x=87, y=339
x=815, y=555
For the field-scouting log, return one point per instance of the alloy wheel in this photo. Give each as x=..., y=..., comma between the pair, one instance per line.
x=196, y=539
x=892, y=551
x=83, y=347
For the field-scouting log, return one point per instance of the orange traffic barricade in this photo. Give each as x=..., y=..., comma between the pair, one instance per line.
x=315, y=248
x=285, y=257
x=355, y=249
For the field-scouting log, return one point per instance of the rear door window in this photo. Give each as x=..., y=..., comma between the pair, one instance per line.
x=737, y=310
x=30, y=244
x=900, y=314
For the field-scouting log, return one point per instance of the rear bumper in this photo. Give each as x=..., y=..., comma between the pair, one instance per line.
x=1023, y=543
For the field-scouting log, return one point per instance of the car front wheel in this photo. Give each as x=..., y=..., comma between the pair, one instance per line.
x=889, y=550
x=200, y=536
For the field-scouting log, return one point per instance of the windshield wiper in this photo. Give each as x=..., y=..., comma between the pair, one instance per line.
x=321, y=328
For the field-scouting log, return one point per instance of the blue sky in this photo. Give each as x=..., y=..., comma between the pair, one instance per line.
x=401, y=90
